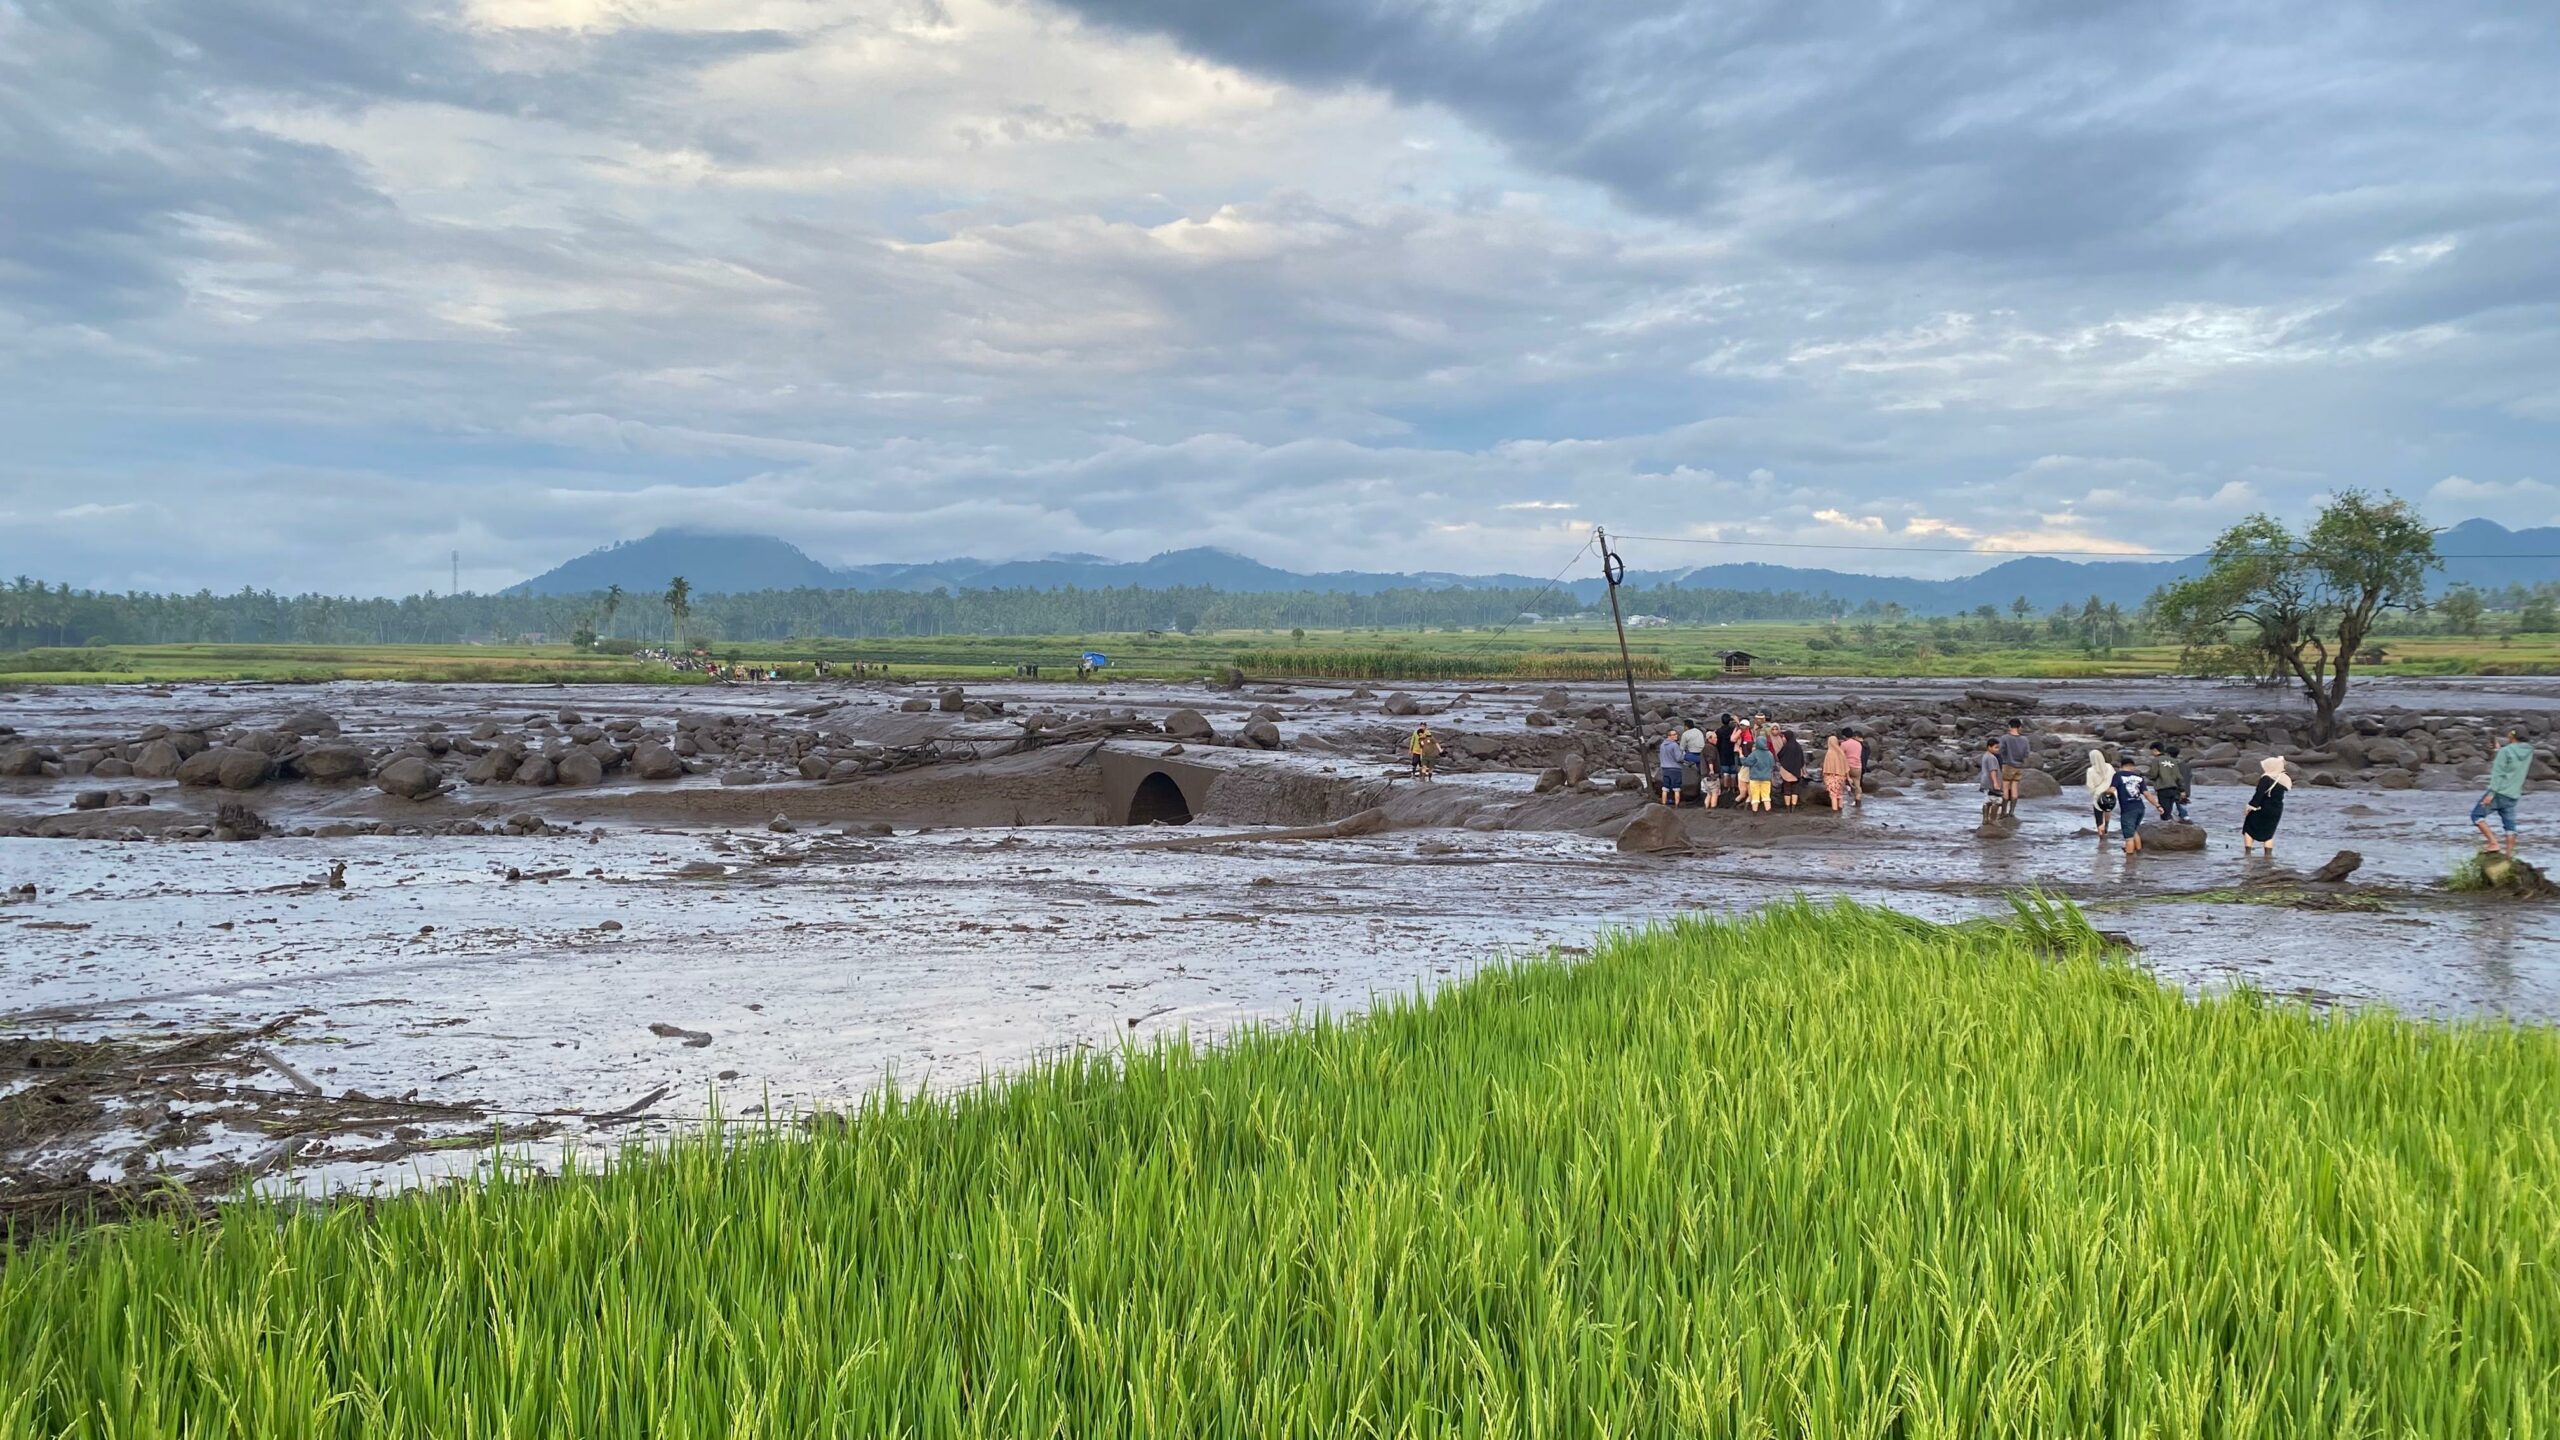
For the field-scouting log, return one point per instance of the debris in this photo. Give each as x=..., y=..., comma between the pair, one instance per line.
x=693, y=1039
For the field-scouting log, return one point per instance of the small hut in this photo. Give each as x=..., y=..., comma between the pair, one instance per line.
x=1736, y=662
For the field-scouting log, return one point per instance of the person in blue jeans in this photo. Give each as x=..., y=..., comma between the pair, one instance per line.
x=2507, y=771
x=2133, y=797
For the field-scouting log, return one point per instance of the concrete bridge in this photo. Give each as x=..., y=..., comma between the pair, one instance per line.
x=1149, y=789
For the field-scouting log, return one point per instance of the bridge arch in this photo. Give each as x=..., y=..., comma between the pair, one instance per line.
x=1157, y=800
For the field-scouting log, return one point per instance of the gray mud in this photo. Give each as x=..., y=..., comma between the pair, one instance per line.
x=346, y=1009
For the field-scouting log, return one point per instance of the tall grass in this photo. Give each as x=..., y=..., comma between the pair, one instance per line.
x=1827, y=1171
x=1454, y=664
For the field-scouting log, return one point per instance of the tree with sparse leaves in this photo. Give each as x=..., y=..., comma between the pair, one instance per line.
x=2307, y=603
x=679, y=600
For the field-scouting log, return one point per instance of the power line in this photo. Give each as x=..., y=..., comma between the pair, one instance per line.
x=2017, y=554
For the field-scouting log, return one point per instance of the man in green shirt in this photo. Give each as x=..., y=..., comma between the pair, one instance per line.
x=2506, y=786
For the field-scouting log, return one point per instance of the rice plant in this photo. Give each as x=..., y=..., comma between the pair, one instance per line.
x=1826, y=1171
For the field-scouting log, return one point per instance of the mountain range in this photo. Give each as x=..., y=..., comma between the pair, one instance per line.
x=2478, y=552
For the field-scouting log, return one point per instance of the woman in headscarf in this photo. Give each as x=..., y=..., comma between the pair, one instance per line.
x=2101, y=783
x=2266, y=807
x=1835, y=772
x=1790, y=765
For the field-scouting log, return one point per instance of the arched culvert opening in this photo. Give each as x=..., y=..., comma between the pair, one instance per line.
x=1159, y=801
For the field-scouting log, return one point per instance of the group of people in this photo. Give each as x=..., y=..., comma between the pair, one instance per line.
x=1757, y=765
x=2125, y=792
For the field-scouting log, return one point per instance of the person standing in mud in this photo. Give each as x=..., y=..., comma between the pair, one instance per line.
x=1790, y=766
x=1988, y=772
x=1728, y=762
x=1425, y=747
x=2507, y=771
x=2266, y=807
x=1855, y=750
x=1836, y=772
x=2015, y=752
x=1670, y=757
x=1693, y=758
x=2165, y=782
x=1761, y=766
x=2133, y=801
x=2102, y=796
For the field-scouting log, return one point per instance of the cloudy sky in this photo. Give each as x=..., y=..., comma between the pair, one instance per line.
x=308, y=293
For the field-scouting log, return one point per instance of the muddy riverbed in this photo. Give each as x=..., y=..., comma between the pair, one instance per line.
x=365, y=994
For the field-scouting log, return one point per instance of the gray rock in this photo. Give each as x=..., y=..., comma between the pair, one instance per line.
x=915, y=705
x=231, y=769
x=1189, y=725
x=537, y=770
x=741, y=777
x=2036, y=784
x=1655, y=830
x=112, y=768
x=1550, y=780
x=1262, y=735
x=409, y=778
x=21, y=760
x=91, y=800
x=334, y=762
x=580, y=767
x=493, y=767
x=156, y=760
x=781, y=825
x=2172, y=835
x=653, y=761
x=307, y=723
x=1401, y=704
x=952, y=701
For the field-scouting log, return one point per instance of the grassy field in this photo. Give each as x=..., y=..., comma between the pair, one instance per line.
x=1823, y=1172
x=1542, y=652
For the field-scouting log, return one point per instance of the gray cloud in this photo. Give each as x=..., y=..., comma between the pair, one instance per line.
x=293, y=292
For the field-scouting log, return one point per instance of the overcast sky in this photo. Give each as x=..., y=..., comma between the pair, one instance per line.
x=308, y=293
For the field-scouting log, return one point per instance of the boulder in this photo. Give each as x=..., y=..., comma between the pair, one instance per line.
x=1262, y=735
x=1554, y=700
x=231, y=769
x=1550, y=780
x=21, y=760
x=334, y=762
x=579, y=767
x=537, y=770
x=1189, y=725
x=952, y=701
x=1360, y=822
x=493, y=767
x=780, y=825
x=112, y=768
x=92, y=800
x=1401, y=704
x=1996, y=826
x=653, y=761
x=307, y=723
x=814, y=767
x=843, y=771
x=2034, y=784
x=741, y=776
x=156, y=760
x=2172, y=835
x=1575, y=768
x=1655, y=830
x=409, y=778
x=572, y=717
x=915, y=705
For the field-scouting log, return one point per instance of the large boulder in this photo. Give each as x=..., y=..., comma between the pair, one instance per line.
x=952, y=701
x=654, y=761
x=21, y=760
x=1189, y=725
x=334, y=762
x=308, y=723
x=537, y=770
x=408, y=778
x=2172, y=835
x=493, y=767
x=224, y=766
x=2034, y=784
x=157, y=759
x=1655, y=830
x=580, y=767
x=1401, y=704
x=1575, y=768
x=1262, y=735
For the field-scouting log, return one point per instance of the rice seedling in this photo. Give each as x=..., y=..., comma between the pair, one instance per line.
x=1825, y=1171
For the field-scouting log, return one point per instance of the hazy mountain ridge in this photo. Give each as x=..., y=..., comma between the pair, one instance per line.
x=2483, y=553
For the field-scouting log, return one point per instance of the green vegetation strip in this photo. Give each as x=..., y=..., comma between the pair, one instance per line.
x=1823, y=1172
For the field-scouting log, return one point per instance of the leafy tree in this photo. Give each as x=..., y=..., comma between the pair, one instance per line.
x=679, y=599
x=584, y=637
x=2539, y=614
x=2307, y=602
x=2460, y=609
x=612, y=602
x=2019, y=609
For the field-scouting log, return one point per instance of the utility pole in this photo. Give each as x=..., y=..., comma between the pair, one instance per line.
x=1614, y=570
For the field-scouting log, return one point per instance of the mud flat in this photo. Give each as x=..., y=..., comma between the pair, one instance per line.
x=834, y=886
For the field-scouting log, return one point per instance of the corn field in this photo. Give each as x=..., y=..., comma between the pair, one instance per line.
x=1427, y=665
x=1826, y=1171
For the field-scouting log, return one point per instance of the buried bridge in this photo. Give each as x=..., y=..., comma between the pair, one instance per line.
x=1153, y=790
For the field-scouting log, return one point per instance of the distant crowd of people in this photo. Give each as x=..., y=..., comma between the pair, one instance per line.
x=1759, y=766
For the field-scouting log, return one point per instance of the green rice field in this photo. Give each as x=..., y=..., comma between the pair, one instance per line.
x=1546, y=652
x=1825, y=1171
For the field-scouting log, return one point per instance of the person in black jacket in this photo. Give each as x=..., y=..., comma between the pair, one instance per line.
x=2266, y=807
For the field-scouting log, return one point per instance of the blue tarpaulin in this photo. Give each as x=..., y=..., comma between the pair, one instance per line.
x=1096, y=659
